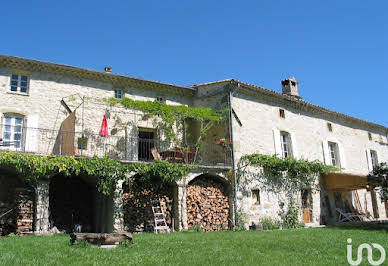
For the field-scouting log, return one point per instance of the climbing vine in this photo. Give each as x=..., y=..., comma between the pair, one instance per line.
x=170, y=115
x=288, y=175
x=32, y=168
x=379, y=178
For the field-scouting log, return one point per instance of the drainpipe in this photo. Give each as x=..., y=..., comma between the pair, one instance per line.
x=231, y=93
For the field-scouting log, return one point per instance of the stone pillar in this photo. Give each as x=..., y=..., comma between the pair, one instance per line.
x=118, y=214
x=42, y=224
x=183, y=225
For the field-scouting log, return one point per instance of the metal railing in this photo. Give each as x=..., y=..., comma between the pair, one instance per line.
x=121, y=146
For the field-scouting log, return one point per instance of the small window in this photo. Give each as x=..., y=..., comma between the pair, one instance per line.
x=370, y=136
x=19, y=83
x=334, y=154
x=256, y=196
x=285, y=141
x=119, y=93
x=160, y=99
x=330, y=127
x=281, y=113
x=373, y=158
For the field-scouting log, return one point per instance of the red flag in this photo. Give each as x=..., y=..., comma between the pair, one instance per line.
x=104, y=128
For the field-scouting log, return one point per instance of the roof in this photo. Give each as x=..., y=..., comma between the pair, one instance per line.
x=35, y=65
x=296, y=102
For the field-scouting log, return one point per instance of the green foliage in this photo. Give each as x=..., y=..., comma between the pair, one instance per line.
x=196, y=228
x=320, y=246
x=269, y=223
x=290, y=219
x=289, y=174
x=379, y=178
x=107, y=172
x=169, y=114
x=241, y=220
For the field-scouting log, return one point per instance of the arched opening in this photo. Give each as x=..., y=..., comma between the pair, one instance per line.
x=75, y=204
x=208, y=203
x=16, y=205
x=137, y=201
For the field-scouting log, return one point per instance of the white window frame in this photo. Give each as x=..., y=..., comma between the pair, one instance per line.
x=334, y=154
x=286, y=144
x=10, y=127
x=374, y=159
x=121, y=93
x=18, y=83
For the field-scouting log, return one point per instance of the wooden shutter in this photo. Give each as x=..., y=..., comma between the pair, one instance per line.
x=294, y=146
x=67, y=132
x=326, y=153
x=32, y=133
x=278, y=146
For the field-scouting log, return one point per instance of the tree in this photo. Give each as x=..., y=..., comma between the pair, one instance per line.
x=379, y=178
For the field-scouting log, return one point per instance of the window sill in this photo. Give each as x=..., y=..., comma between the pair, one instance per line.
x=18, y=93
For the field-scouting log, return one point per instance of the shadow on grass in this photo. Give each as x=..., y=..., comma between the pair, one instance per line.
x=374, y=226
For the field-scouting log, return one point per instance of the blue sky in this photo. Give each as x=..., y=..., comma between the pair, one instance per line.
x=336, y=49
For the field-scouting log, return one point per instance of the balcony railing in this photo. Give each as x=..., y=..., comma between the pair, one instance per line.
x=122, y=147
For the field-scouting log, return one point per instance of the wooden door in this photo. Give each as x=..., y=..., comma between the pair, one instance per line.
x=306, y=205
x=68, y=135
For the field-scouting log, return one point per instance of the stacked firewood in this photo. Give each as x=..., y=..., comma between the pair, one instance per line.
x=25, y=210
x=138, y=216
x=207, y=205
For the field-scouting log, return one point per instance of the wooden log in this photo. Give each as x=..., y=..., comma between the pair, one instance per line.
x=100, y=238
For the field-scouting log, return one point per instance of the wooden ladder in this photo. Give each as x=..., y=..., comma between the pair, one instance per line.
x=357, y=200
x=159, y=217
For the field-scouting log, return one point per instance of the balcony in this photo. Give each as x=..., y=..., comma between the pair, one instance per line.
x=123, y=146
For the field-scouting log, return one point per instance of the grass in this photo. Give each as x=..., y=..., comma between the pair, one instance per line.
x=319, y=246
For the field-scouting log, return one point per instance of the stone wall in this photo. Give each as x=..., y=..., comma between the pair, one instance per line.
x=260, y=118
x=16, y=205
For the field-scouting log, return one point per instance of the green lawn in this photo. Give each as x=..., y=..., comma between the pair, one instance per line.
x=320, y=246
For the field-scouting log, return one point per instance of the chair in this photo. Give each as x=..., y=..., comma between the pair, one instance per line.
x=351, y=217
x=155, y=154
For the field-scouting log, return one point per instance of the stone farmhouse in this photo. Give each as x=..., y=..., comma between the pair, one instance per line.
x=53, y=109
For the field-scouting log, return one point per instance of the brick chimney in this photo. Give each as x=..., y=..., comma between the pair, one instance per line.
x=290, y=87
x=108, y=69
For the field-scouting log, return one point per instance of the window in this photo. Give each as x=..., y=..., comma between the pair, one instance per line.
x=146, y=142
x=330, y=127
x=19, y=83
x=256, y=196
x=369, y=136
x=160, y=99
x=12, y=132
x=373, y=158
x=119, y=93
x=334, y=154
x=285, y=141
x=281, y=113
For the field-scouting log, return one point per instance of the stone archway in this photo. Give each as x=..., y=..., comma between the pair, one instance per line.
x=137, y=197
x=75, y=201
x=208, y=203
x=16, y=205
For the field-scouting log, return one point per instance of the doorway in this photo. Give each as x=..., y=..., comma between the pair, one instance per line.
x=306, y=206
x=146, y=143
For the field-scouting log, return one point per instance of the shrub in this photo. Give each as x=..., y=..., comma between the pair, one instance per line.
x=269, y=223
x=291, y=218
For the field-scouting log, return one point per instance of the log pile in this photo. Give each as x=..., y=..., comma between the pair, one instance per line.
x=101, y=239
x=207, y=205
x=137, y=209
x=25, y=210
